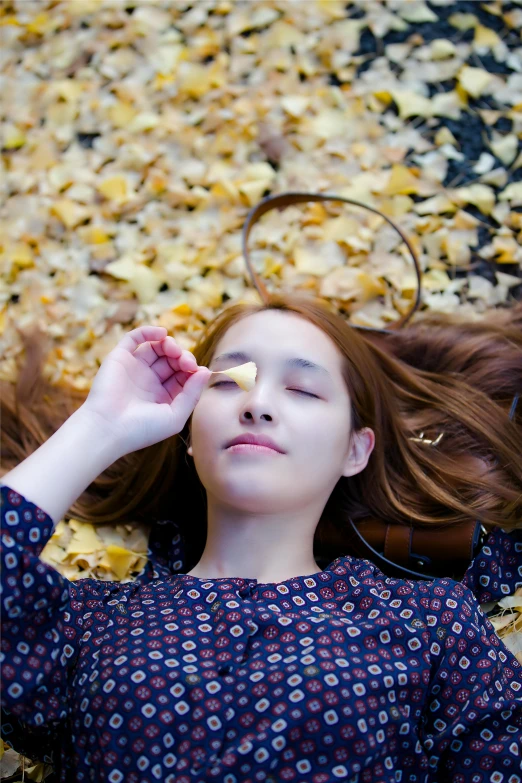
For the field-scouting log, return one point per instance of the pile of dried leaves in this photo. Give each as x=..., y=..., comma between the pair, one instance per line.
x=139, y=134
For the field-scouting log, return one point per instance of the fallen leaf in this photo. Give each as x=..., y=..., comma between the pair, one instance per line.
x=416, y=11
x=410, y=104
x=70, y=213
x=84, y=540
x=512, y=193
x=474, y=81
x=501, y=622
x=463, y=22
x=435, y=280
x=295, y=105
x=447, y=104
x=115, y=188
x=480, y=196
x=504, y=147
x=143, y=121
x=445, y=136
x=435, y=205
x=118, y=560
x=484, y=164
x=458, y=246
x=13, y=137
x=507, y=250
x=485, y=38
x=497, y=178
x=402, y=182
x=441, y=48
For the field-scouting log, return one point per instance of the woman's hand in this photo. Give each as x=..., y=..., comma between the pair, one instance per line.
x=146, y=388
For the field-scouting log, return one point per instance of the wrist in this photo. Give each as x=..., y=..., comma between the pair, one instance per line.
x=55, y=475
x=92, y=430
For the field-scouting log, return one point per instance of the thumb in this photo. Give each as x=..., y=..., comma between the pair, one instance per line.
x=185, y=402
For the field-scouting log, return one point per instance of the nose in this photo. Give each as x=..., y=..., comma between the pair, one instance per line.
x=251, y=416
x=256, y=405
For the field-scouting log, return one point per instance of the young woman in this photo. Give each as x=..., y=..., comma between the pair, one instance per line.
x=237, y=657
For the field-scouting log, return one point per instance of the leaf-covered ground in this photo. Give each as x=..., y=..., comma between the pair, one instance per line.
x=136, y=136
x=139, y=134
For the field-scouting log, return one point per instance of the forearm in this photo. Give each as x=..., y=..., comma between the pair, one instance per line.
x=58, y=472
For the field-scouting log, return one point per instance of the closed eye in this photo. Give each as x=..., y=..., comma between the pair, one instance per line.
x=299, y=391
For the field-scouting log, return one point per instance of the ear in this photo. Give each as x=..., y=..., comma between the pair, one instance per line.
x=361, y=447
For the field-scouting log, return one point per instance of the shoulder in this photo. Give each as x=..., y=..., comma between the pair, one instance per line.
x=447, y=606
x=462, y=636
x=452, y=606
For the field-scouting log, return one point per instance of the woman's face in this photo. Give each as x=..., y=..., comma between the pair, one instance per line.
x=305, y=411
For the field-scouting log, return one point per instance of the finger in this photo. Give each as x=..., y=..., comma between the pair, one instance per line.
x=136, y=337
x=163, y=369
x=171, y=348
x=166, y=372
x=186, y=362
x=184, y=401
x=168, y=352
x=178, y=381
x=174, y=384
x=149, y=353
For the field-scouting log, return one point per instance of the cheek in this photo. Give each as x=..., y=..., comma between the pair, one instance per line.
x=206, y=420
x=329, y=433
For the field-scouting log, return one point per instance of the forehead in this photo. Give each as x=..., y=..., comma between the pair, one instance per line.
x=276, y=333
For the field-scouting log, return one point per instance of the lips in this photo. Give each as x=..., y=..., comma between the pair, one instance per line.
x=256, y=440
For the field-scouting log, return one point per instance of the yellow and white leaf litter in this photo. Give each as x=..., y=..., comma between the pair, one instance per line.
x=80, y=550
x=137, y=142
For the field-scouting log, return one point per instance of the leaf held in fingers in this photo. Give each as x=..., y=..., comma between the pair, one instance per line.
x=244, y=375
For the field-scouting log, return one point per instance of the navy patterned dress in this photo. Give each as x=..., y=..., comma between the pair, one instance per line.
x=344, y=675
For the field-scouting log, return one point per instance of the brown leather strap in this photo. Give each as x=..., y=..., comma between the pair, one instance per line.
x=400, y=543
x=285, y=199
x=455, y=542
x=397, y=543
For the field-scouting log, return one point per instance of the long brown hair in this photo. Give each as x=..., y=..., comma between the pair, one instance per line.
x=440, y=374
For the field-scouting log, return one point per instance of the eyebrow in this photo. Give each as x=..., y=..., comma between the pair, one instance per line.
x=306, y=364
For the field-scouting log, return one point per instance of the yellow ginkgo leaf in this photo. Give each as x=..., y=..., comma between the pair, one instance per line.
x=463, y=21
x=69, y=213
x=402, y=181
x=115, y=188
x=445, y=136
x=513, y=192
x=485, y=38
x=13, y=138
x=474, y=81
x=84, y=541
x=244, y=375
x=501, y=622
x=410, y=104
x=480, y=196
x=442, y=48
x=504, y=147
x=416, y=13
x=22, y=255
x=119, y=559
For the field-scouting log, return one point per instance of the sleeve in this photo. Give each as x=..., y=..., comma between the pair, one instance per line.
x=472, y=720
x=496, y=571
x=41, y=630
